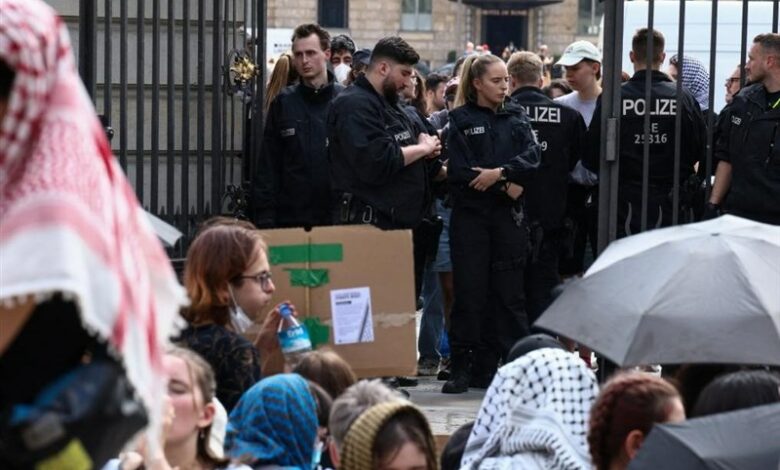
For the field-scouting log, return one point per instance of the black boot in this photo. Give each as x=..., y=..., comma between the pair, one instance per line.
x=460, y=372
x=484, y=364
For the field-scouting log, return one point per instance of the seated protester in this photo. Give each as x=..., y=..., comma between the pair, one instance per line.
x=690, y=380
x=328, y=370
x=196, y=430
x=229, y=283
x=532, y=343
x=624, y=414
x=350, y=405
x=738, y=390
x=535, y=415
x=452, y=454
x=279, y=422
x=390, y=436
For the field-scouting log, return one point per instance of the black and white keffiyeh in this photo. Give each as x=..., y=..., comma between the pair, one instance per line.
x=695, y=79
x=535, y=415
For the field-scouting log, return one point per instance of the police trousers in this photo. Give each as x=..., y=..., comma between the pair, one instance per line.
x=488, y=246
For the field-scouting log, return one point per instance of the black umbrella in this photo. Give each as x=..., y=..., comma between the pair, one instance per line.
x=746, y=439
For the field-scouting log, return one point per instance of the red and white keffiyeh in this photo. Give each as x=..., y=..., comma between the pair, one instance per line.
x=69, y=220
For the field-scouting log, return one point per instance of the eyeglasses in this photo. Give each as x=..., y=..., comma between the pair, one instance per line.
x=263, y=278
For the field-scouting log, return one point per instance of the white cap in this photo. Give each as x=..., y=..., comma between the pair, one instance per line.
x=215, y=441
x=577, y=51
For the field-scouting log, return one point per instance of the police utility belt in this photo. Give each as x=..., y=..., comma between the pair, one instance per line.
x=354, y=211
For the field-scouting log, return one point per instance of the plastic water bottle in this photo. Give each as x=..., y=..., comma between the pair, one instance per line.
x=293, y=337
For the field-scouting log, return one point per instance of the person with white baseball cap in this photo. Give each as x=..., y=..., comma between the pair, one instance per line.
x=582, y=62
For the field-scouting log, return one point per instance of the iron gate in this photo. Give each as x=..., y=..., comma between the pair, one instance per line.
x=178, y=82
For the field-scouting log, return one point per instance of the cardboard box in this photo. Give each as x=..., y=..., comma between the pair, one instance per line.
x=308, y=266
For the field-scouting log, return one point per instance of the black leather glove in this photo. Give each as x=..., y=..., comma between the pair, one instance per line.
x=711, y=211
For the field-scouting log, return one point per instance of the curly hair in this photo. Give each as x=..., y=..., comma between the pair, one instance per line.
x=629, y=401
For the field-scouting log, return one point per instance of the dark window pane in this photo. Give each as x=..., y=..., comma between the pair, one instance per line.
x=333, y=13
x=409, y=6
x=425, y=6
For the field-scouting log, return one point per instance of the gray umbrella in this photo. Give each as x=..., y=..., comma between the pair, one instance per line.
x=698, y=293
x=747, y=439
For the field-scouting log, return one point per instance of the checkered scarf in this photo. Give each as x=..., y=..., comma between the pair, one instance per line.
x=535, y=414
x=695, y=79
x=69, y=221
x=274, y=423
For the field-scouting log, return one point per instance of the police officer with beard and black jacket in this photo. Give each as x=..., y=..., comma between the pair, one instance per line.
x=560, y=131
x=748, y=149
x=381, y=166
x=492, y=155
x=663, y=109
x=292, y=185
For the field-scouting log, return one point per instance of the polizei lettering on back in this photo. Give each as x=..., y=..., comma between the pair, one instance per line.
x=543, y=114
x=475, y=130
x=660, y=107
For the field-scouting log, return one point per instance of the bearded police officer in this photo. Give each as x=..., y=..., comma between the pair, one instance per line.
x=663, y=108
x=381, y=167
x=560, y=131
x=748, y=150
x=293, y=181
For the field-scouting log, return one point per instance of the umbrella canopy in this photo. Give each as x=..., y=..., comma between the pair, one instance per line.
x=698, y=293
x=743, y=439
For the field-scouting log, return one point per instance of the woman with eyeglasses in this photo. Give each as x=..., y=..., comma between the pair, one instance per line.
x=228, y=279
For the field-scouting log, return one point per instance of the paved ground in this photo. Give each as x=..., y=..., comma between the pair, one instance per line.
x=446, y=413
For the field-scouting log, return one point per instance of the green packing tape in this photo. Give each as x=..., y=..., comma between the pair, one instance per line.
x=319, y=334
x=313, y=253
x=308, y=277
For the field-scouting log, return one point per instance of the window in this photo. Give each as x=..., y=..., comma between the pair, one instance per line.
x=416, y=15
x=333, y=13
x=590, y=15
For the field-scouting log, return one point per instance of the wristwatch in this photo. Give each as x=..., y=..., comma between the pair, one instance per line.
x=503, y=174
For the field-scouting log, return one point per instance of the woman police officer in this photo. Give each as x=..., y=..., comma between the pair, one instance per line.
x=492, y=153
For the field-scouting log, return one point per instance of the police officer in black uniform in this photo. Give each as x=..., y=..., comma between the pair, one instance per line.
x=492, y=155
x=748, y=150
x=381, y=166
x=560, y=131
x=663, y=109
x=292, y=185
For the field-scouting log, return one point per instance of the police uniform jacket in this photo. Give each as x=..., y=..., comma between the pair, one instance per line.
x=366, y=134
x=663, y=109
x=478, y=137
x=750, y=141
x=560, y=131
x=293, y=186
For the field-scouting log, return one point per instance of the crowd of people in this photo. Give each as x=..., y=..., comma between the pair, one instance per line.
x=494, y=176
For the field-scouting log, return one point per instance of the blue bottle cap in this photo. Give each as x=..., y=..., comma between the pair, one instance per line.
x=285, y=310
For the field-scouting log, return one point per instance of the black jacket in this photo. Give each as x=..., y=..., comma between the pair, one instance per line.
x=560, y=131
x=365, y=134
x=478, y=137
x=663, y=110
x=750, y=141
x=292, y=185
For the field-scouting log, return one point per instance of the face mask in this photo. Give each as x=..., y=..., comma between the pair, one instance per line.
x=239, y=320
x=342, y=72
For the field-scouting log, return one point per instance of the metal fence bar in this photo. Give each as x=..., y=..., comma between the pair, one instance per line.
x=155, y=186
x=233, y=104
x=743, y=46
x=216, y=110
x=170, y=106
x=678, y=115
x=185, y=117
x=139, y=100
x=222, y=94
x=709, y=170
x=201, y=126
x=107, y=80
x=610, y=125
x=775, y=15
x=88, y=45
x=123, y=85
x=257, y=103
x=648, y=107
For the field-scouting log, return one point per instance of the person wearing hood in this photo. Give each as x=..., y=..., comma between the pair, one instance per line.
x=535, y=415
x=292, y=182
